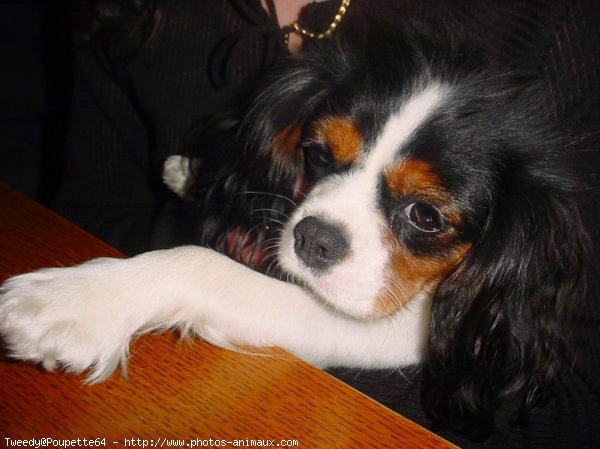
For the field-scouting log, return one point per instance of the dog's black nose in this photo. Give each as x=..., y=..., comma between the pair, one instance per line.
x=319, y=244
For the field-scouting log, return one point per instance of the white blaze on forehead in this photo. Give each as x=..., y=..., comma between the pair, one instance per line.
x=350, y=201
x=401, y=126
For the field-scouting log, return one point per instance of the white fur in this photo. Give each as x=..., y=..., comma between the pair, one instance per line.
x=401, y=126
x=84, y=317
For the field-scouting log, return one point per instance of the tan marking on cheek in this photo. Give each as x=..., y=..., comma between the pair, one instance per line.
x=342, y=136
x=285, y=146
x=408, y=275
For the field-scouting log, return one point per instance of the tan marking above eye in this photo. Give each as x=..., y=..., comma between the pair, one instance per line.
x=412, y=175
x=416, y=178
x=342, y=137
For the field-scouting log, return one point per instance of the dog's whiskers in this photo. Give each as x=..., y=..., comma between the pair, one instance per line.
x=275, y=195
x=285, y=215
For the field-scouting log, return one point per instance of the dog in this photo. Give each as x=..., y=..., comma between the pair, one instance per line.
x=422, y=211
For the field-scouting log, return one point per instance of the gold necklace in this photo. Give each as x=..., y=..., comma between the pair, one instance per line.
x=296, y=27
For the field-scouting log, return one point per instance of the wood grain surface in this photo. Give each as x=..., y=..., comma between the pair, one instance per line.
x=188, y=391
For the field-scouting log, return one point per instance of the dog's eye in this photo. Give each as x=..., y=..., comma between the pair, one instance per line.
x=317, y=155
x=317, y=159
x=424, y=217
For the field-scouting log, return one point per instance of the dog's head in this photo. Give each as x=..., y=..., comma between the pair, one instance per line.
x=433, y=176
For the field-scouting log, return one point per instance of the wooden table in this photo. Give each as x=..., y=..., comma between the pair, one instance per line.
x=191, y=392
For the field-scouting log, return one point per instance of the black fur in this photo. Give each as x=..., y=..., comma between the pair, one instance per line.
x=500, y=321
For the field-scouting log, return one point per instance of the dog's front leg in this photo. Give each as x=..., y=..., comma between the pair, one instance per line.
x=84, y=317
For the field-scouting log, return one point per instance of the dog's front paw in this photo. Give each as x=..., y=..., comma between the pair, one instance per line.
x=66, y=317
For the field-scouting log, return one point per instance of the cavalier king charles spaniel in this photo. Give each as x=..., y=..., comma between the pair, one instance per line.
x=411, y=204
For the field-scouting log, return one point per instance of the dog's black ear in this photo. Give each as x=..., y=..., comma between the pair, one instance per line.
x=288, y=98
x=500, y=321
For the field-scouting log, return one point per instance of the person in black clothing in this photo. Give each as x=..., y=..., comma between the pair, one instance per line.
x=146, y=72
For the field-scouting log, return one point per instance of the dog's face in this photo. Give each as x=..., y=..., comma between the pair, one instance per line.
x=383, y=225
